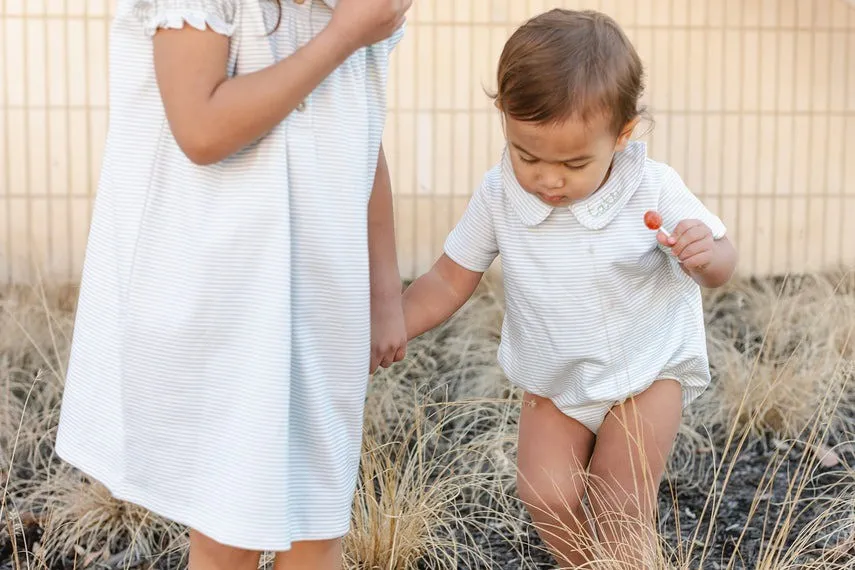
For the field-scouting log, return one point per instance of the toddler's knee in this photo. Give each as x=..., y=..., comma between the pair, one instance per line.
x=635, y=498
x=543, y=498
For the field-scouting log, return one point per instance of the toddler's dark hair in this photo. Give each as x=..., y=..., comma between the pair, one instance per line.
x=565, y=64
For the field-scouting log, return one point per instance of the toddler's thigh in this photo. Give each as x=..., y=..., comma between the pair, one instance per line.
x=635, y=439
x=554, y=451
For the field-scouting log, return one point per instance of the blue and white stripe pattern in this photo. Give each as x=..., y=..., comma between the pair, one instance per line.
x=596, y=309
x=221, y=349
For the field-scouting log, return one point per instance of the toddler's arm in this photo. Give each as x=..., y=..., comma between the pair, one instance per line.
x=470, y=249
x=438, y=294
x=699, y=237
x=710, y=262
x=212, y=116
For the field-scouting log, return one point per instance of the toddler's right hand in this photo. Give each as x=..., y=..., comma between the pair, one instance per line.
x=365, y=22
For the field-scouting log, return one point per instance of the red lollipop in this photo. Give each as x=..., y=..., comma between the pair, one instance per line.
x=653, y=220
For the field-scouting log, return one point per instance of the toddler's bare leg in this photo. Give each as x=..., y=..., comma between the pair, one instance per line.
x=626, y=467
x=554, y=451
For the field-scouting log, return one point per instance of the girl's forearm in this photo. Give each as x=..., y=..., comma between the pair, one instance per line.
x=383, y=257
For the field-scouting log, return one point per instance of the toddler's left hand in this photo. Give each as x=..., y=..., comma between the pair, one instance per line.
x=388, y=332
x=692, y=243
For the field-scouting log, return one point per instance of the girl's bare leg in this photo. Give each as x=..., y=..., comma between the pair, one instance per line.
x=554, y=451
x=207, y=554
x=626, y=467
x=311, y=555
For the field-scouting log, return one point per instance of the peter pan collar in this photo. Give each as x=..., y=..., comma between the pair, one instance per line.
x=530, y=209
x=595, y=211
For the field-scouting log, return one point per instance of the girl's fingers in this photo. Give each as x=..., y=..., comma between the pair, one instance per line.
x=402, y=352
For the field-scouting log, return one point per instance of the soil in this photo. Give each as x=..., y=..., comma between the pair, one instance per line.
x=736, y=537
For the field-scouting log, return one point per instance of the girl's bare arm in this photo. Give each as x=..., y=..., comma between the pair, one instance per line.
x=388, y=336
x=212, y=116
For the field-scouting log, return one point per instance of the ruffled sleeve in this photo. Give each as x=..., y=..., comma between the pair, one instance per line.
x=218, y=15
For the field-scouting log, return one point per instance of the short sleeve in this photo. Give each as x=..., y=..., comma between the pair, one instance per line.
x=218, y=15
x=393, y=40
x=678, y=203
x=472, y=243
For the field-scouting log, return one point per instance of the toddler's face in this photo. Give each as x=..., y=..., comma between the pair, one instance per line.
x=567, y=162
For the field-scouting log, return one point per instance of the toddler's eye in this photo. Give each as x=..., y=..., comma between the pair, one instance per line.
x=577, y=166
x=528, y=160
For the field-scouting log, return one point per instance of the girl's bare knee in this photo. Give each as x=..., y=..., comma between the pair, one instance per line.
x=311, y=555
x=208, y=554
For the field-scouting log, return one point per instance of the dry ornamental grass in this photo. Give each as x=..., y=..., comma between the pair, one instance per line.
x=762, y=475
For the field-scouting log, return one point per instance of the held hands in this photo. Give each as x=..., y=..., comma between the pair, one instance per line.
x=692, y=243
x=388, y=332
x=365, y=22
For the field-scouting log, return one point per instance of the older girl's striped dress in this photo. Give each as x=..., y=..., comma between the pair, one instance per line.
x=221, y=347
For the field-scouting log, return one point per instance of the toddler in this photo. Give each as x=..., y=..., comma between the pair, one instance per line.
x=604, y=327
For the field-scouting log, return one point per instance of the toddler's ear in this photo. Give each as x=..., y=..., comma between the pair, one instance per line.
x=626, y=134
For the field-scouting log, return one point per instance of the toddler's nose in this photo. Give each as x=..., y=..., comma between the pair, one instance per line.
x=554, y=183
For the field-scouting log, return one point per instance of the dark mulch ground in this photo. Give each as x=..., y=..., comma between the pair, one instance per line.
x=735, y=537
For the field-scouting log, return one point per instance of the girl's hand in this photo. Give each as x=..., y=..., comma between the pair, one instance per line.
x=708, y=261
x=365, y=22
x=388, y=332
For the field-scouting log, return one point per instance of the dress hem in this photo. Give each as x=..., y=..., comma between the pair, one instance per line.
x=129, y=496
